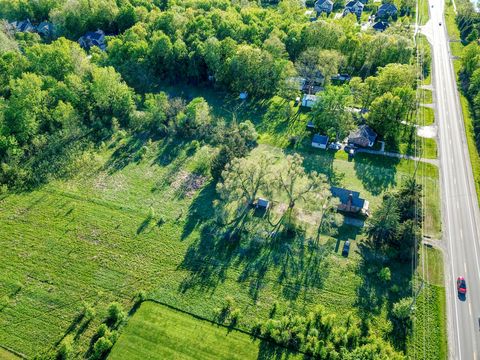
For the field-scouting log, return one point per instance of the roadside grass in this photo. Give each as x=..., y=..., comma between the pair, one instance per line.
x=413, y=145
x=425, y=45
x=428, y=115
x=127, y=222
x=158, y=332
x=429, y=337
x=426, y=96
x=452, y=28
x=457, y=48
x=423, y=12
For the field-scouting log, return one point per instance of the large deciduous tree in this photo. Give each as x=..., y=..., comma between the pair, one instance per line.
x=330, y=113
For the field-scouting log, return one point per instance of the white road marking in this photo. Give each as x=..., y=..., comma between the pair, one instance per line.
x=458, y=206
x=470, y=308
x=465, y=267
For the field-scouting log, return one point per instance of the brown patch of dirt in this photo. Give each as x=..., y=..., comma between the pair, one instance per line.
x=187, y=184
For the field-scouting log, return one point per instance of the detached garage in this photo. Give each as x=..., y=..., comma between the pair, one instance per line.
x=320, y=141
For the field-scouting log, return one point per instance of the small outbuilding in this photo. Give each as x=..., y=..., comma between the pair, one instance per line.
x=309, y=100
x=380, y=26
x=320, y=141
x=262, y=204
x=364, y=136
x=243, y=95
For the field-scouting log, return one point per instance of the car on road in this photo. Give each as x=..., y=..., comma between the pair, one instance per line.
x=461, y=285
x=440, y=23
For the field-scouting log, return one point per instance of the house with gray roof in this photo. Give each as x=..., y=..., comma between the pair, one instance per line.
x=350, y=202
x=93, y=38
x=46, y=29
x=323, y=6
x=364, y=136
x=354, y=7
x=386, y=10
x=22, y=26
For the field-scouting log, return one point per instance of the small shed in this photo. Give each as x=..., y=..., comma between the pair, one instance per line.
x=243, y=95
x=262, y=204
x=309, y=100
x=380, y=26
x=320, y=141
x=310, y=125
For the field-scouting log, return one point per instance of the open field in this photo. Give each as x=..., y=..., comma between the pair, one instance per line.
x=158, y=332
x=6, y=355
x=124, y=223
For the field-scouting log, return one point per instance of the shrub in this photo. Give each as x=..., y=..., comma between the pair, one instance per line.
x=115, y=313
x=385, y=274
x=65, y=349
x=101, y=347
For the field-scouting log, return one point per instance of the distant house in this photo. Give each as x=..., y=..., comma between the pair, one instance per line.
x=46, y=29
x=323, y=6
x=364, y=136
x=22, y=26
x=380, y=26
x=310, y=125
x=93, y=38
x=320, y=141
x=341, y=78
x=350, y=201
x=262, y=204
x=243, y=95
x=354, y=7
x=309, y=100
x=385, y=11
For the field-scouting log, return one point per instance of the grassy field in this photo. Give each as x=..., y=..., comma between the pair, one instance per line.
x=6, y=355
x=125, y=223
x=158, y=332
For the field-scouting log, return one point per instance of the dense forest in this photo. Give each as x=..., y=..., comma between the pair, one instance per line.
x=52, y=92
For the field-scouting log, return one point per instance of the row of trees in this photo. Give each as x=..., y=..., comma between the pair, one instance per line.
x=468, y=21
x=321, y=336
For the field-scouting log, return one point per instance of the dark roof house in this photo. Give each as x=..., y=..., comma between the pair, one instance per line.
x=323, y=6
x=22, y=26
x=46, y=29
x=354, y=7
x=364, y=136
x=341, y=78
x=385, y=11
x=380, y=26
x=350, y=201
x=93, y=38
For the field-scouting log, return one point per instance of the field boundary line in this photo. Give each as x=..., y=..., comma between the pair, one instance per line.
x=14, y=352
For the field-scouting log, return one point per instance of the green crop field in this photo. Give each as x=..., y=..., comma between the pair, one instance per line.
x=129, y=220
x=158, y=332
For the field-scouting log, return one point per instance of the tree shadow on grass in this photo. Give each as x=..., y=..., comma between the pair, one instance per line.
x=269, y=351
x=127, y=153
x=376, y=173
x=200, y=209
x=375, y=294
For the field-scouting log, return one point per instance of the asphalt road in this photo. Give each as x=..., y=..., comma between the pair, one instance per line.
x=461, y=216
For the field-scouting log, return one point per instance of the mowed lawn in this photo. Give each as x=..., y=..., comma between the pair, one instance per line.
x=158, y=332
x=128, y=220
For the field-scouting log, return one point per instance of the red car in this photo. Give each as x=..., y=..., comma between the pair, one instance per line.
x=461, y=285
